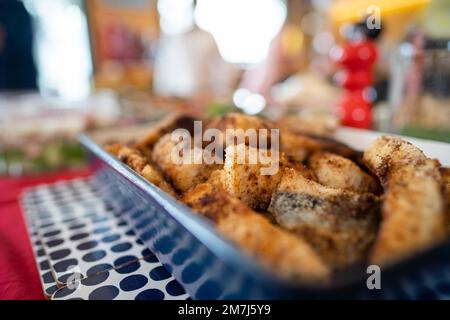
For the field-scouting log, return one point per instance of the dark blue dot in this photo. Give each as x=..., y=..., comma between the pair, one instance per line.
x=121, y=247
x=149, y=256
x=98, y=269
x=104, y=293
x=124, y=260
x=129, y=268
x=130, y=233
x=94, y=256
x=51, y=290
x=63, y=265
x=64, y=292
x=77, y=226
x=40, y=252
x=122, y=223
x=102, y=229
x=72, y=278
x=165, y=244
x=191, y=273
x=87, y=245
x=59, y=254
x=210, y=290
x=159, y=273
x=95, y=279
x=174, y=288
x=51, y=233
x=133, y=282
x=44, y=265
x=70, y=219
x=111, y=238
x=139, y=241
x=99, y=219
x=180, y=257
x=79, y=236
x=46, y=225
x=150, y=294
x=54, y=243
x=48, y=277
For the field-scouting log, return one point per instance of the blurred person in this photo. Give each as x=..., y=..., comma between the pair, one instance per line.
x=189, y=65
x=17, y=68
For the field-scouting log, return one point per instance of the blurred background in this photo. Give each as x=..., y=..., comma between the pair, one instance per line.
x=70, y=65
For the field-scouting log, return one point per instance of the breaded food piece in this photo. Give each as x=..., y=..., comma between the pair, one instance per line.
x=134, y=159
x=166, y=125
x=299, y=146
x=341, y=225
x=247, y=180
x=113, y=148
x=296, y=146
x=445, y=173
x=413, y=207
x=336, y=171
x=244, y=122
x=183, y=176
x=151, y=174
x=276, y=249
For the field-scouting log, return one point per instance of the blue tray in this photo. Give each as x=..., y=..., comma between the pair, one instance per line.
x=209, y=267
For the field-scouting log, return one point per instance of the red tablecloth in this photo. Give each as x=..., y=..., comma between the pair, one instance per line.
x=19, y=278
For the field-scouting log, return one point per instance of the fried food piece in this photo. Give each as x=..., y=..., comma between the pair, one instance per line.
x=336, y=171
x=151, y=174
x=341, y=225
x=413, y=208
x=299, y=146
x=276, y=249
x=134, y=159
x=113, y=148
x=244, y=122
x=250, y=179
x=445, y=173
x=166, y=125
x=182, y=175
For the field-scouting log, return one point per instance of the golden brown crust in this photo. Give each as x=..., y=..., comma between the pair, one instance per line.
x=166, y=125
x=445, y=173
x=341, y=225
x=413, y=207
x=276, y=249
x=336, y=171
x=134, y=159
x=182, y=175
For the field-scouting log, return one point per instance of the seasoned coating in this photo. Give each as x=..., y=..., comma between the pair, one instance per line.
x=245, y=180
x=341, y=225
x=296, y=146
x=336, y=171
x=182, y=175
x=154, y=176
x=413, y=207
x=299, y=146
x=166, y=125
x=276, y=249
x=244, y=122
x=134, y=159
x=445, y=173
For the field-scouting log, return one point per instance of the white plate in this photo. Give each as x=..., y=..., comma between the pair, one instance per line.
x=361, y=139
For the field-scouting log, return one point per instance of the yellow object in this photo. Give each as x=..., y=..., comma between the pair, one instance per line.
x=395, y=14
